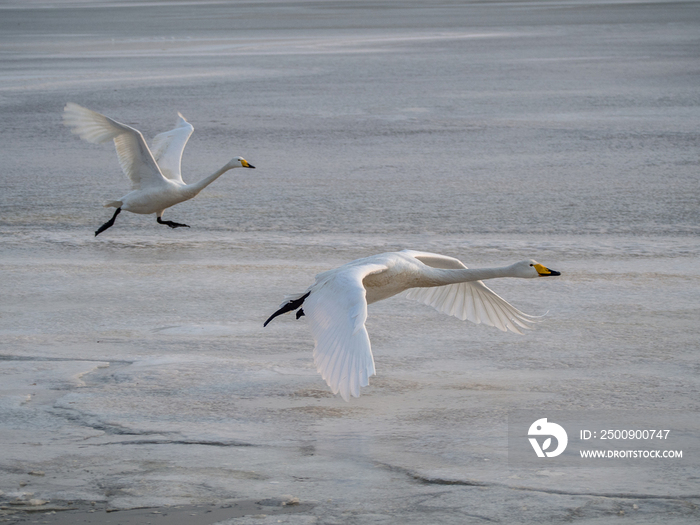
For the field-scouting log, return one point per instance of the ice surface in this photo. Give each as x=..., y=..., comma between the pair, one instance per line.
x=134, y=369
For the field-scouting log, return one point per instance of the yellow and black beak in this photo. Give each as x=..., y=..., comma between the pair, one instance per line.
x=245, y=164
x=544, y=271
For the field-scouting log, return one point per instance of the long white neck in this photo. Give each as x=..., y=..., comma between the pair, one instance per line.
x=198, y=186
x=440, y=277
x=383, y=285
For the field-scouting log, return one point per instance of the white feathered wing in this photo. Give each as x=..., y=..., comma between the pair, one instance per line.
x=135, y=157
x=337, y=311
x=167, y=148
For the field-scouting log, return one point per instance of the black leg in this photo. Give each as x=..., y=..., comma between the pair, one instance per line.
x=171, y=223
x=288, y=307
x=108, y=224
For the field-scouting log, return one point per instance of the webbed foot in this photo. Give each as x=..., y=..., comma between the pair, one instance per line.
x=171, y=223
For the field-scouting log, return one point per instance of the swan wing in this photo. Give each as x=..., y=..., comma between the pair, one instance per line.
x=167, y=148
x=473, y=301
x=135, y=158
x=435, y=260
x=337, y=311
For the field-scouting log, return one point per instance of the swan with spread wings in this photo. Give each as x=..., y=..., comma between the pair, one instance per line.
x=336, y=305
x=156, y=182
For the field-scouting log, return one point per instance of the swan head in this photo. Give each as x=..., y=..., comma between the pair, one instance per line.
x=239, y=162
x=530, y=269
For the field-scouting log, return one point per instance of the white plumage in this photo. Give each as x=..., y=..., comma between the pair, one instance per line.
x=156, y=181
x=336, y=305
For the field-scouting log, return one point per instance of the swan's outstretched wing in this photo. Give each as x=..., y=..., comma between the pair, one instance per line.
x=135, y=158
x=337, y=311
x=167, y=148
x=473, y=301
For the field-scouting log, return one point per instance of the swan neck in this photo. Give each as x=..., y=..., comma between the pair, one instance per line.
x=443, y=277
x=198, y=186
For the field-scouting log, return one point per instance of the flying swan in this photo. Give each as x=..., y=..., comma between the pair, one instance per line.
x=336, y=305
x=156, y=183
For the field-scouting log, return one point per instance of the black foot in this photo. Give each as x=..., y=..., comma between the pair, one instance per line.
x=171, y=223
x=288, y=307
x=108, y=224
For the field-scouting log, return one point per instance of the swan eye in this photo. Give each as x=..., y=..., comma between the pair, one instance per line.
x=532, y=265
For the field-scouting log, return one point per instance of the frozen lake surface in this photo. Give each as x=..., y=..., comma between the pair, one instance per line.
x=134, y=369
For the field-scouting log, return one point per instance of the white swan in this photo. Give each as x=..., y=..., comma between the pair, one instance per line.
x=336, y=305
x=156, y=183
